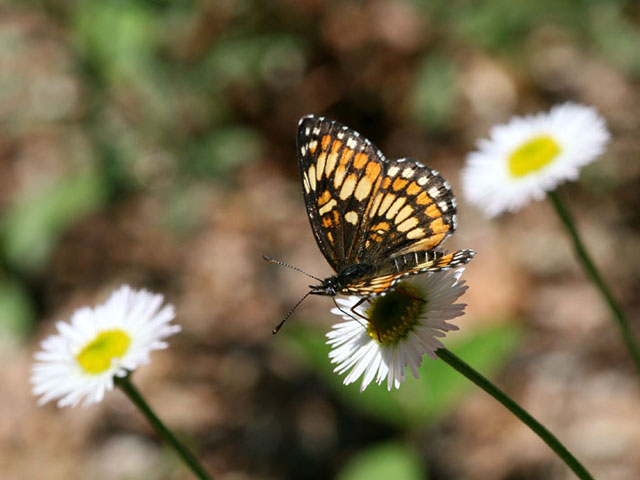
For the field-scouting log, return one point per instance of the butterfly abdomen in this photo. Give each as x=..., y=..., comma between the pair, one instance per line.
x=429, y=261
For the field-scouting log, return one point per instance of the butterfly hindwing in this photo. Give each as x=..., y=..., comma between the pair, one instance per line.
x=413, y=210
x=390, y=273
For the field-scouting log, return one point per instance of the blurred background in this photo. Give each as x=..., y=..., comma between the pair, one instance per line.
x=153, y=143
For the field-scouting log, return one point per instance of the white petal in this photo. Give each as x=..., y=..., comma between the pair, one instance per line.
x=580, y=132
x=57, y=375
x=354, y=352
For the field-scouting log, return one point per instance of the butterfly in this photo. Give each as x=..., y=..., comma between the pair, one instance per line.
x=375, y=220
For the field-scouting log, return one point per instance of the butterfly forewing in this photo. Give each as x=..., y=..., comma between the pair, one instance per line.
x=341, y=171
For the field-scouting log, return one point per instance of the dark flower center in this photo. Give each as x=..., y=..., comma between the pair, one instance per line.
x=393, y=316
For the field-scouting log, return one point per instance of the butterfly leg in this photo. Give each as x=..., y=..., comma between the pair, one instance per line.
x=353, y=313
x=356, y=305
x=353, y=309
x=409, y=295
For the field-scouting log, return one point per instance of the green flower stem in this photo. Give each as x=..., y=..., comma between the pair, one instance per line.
x=594, y=274
x=548, y=437
x=124, y=383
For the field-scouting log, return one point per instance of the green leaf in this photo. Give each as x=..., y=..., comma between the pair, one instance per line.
x=17, y=312
x=33, y=225
x=616, y=36
x=384, y=462
x=419, y=401
x=117, y=35
x=250, y=58
x=226, y=148
x=500, y=25
x=434, y=92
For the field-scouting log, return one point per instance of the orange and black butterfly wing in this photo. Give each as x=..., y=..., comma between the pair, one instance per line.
x=413, y=209
x=341, y=171
x=364, y=209
x=412, y=212
x=389, y=273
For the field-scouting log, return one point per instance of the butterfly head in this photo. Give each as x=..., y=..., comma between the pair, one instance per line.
x=333, y=286
x=330, y=287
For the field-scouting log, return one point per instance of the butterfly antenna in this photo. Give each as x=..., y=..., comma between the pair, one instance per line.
x=279, y=326
x=278, y=262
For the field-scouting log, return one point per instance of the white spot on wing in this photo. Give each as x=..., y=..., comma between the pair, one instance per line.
x=327, y=207
x=407, y=172
x=351, y=217
x=363, y=188
x=312, y=177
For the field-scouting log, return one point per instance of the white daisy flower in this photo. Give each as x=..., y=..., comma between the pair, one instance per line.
x=532, y=155
x=110, y=340
x=391, y=332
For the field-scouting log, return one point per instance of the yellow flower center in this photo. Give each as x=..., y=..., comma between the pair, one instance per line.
x=97, y=356
x=533, y=155
x=392, y=317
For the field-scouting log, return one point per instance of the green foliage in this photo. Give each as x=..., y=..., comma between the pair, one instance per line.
x=616, y=37
x=419, y=401
x=251, y=58
x=16, y=310
x=116, y=35
x=498, y=25
x=389, y=461
x=434, y=92
x=225, y=149
x=32, y=226
x=502, y=26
